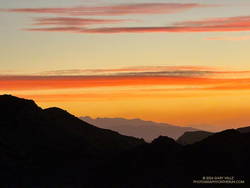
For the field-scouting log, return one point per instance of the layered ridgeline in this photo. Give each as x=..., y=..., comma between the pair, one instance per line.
x=191, y=137
x=165, y=163
x=52, y=148
x=148, y=130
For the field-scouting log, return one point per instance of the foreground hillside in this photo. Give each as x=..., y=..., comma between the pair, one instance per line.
x=50, y=148
x=43, y=141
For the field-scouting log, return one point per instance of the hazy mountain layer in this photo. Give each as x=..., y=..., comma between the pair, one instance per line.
x=147, y=130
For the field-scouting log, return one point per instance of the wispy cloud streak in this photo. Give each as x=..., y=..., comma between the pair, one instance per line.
x=231, y=24
x=70, y=21
x=195, y=77
x=114, y=10
x=168, y=70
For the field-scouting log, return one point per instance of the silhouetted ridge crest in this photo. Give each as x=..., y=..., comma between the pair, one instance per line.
x=163, y=140
x=54, y=131
x=224, y=134
x=191, y=137
x=165, y=143
x=229, y=132
x=14, y=108
x=16, y=102
x=227, y=140
x=243, y=129
x=55, y=112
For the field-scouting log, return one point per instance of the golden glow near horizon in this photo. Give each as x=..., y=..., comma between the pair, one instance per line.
x=187, y=96
x=184, y=63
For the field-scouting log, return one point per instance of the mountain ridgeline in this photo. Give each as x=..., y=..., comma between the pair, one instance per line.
x=191, y=137
x=46, y=148
x=148, y=130
x=54, y=128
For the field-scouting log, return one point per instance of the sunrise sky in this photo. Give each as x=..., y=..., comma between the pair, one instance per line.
x=181, y=62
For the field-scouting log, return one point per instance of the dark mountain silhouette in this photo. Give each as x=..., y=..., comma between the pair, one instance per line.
x=192, y=137
x=33, y=137
x=47, y=148
x=147, y=130
x=164, y=163
x=244, y=129
x=54, y=128
x=145, y=166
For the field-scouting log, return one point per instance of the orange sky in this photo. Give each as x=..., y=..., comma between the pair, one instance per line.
x=202, y=97
x=184, y=63
x=112, y=81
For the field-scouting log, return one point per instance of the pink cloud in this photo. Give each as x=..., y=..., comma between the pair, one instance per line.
x=230, y=24
x=69, y=21
x=218, y=24
x=216, y=21
x=115, y=10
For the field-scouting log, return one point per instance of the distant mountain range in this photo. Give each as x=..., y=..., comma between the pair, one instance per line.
x=48, y=148
x=148, y=130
